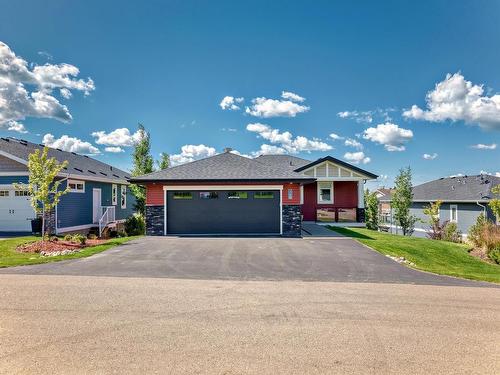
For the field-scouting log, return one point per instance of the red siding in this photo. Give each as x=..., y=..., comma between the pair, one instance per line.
x=154, y=194
x=296, y=194
x=345, y=195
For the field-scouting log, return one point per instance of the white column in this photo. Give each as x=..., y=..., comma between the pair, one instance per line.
x=361, y=194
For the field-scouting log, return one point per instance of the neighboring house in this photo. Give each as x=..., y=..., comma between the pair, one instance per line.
x=384, y=208
x=464, y=199
x=231, y=194
x=95, y=187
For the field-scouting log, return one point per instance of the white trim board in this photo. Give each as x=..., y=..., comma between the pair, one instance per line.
x=222, y=187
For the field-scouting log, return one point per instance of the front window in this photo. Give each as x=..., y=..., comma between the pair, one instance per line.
x=76, y=186
x=114, y=194
x=325, y=192
x=290, y=194
x=4, y=193
x=124, y=196
x=453, y=213
x=209, y=195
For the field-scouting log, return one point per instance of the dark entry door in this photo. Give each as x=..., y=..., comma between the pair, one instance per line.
x=223, y=212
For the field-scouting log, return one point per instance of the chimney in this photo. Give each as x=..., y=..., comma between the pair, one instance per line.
x=227, y=149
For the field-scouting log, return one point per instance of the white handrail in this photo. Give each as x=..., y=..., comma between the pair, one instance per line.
x=108, y=216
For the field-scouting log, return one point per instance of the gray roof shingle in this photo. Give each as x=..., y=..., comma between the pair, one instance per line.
x=78, y=165
x=463, y=188
x=225, y=167
x=283, y=161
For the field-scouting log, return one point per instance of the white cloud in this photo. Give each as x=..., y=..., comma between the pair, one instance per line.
x=70, y=144
x=353, y=143
x=430, y=156
x=286, y=141
x=264, y=107
x=497, y=174
x=113, y=149
x=266, y=149
x=357, y=157
x=236, y=152
x=390, y=135
x=456, y=99
x=14, y=126
x=232, y=130
x=358, y=116
x=18, y=103
x=65, y=93
x=383, y=178
x=335, y=137
x=118, y=137
x=292, y=96
x=481, y=146
x=229, y=102
x=191, y=153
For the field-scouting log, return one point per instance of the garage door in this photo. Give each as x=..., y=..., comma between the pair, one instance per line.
x=15, y=210
x=223, y=212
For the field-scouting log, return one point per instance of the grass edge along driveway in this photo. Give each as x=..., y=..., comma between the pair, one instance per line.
x=9, y=257
x=441, y=257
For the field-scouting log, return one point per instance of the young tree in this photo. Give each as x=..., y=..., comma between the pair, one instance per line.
x=164, y=161
x=43, y=186
x=371, y=210
x=495, y=203
x=143, y=164
x=402, y=200
x=432, y=211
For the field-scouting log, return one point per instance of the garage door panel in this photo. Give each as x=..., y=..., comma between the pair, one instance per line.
x=15, y=213
x=223, y=215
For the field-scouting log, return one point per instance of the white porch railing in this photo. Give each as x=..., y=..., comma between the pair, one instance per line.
x=107, y=216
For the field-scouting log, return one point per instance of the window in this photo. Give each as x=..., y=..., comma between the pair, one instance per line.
x=183, y=195
x=76, y=186
x=453, y=213
x=114, y=194
x=124, y=196
x=325, y=192
x=237, y=195
x=209, y=195
x=289, y=194
x=22, y=193
x=4, y=193
x=263, y=195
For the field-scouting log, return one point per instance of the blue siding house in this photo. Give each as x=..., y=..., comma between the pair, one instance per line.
x=99, y=192
x=464, y=199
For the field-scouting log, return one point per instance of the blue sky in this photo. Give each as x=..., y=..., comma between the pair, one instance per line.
x=358, y=66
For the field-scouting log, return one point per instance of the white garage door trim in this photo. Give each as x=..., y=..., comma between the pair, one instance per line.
x=220, y=187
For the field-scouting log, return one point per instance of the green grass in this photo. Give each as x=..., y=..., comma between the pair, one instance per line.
x=441, y=257
x=9, y=257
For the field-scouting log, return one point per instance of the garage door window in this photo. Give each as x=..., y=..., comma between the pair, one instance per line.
x=4, y=193
x=22, y=193
x=264, y=195
x=209, y=195
x=237, y=195
x=183, y=195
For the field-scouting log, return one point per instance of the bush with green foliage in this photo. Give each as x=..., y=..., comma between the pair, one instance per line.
x=68, y=237
x=135, y=225
x=402, y=200
x=486, y=235
x=79, y=238
x=451, y=233
x=91, y=236
x=475, y=231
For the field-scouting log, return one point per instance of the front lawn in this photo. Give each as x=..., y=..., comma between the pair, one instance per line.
x=10, y=257
x=445, y=258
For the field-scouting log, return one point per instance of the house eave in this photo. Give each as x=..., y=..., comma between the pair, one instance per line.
x=221, y=181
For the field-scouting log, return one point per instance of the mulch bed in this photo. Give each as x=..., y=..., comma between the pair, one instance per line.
x=53, y=246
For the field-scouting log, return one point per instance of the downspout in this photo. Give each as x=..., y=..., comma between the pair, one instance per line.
x=484, y=208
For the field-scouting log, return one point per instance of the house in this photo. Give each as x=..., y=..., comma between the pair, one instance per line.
x=271, y=194
x=98, y=191
x=464, y=199
x=384, y=208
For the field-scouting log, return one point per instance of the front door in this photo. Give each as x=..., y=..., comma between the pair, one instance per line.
x=96, y=205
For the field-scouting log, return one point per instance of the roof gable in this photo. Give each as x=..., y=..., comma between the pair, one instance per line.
x=343, y=169
x=224, y=167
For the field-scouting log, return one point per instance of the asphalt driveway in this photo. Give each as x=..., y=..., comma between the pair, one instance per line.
x=335, y=259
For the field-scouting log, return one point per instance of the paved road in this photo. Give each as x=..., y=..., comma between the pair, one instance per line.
x=88, y=325
x=336, y=259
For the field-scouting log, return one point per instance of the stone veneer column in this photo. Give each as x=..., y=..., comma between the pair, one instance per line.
x=154, y=220
x=292, y=221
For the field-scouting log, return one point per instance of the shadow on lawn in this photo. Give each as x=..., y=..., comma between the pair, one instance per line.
x=350, y=233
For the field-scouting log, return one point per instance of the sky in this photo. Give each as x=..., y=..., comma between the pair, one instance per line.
x=382, y=85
